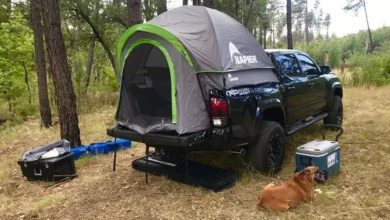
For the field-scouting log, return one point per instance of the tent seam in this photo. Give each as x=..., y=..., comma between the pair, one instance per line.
x=215, y=34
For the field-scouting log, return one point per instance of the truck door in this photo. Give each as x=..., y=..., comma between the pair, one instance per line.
x=317, y=86
x=295, y=86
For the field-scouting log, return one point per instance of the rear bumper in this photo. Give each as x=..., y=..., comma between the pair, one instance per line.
x=160, y=139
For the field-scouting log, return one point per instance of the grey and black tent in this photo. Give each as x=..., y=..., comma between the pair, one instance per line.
x=169, y=64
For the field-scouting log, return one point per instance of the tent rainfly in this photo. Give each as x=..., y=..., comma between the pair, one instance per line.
x=169, y=64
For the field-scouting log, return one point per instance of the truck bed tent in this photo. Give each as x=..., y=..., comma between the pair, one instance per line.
x=161, y=61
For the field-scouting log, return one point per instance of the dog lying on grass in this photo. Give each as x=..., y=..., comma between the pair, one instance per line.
x=296, y=190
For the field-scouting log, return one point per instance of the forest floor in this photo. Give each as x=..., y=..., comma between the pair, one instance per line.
x=360, y=191
x=5, y=115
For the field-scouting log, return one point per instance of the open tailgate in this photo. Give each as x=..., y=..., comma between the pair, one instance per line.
x=161, y=139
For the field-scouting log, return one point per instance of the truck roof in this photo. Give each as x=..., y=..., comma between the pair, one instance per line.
x=281, y=50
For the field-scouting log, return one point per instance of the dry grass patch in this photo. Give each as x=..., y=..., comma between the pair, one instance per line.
x=360, y=191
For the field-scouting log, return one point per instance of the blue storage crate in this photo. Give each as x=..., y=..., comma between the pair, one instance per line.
x=321, y=153
x=79, y=151
x=123, y=144
x=101, y=148
x=109, y=146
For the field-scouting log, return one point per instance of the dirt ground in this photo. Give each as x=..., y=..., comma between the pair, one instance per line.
x=360, y=191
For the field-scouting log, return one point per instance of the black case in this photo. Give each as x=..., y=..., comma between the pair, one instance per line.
x=195, y=174
x=45, y=169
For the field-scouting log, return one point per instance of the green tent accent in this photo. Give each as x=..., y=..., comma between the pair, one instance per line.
x=153, y=29
x=170, y=65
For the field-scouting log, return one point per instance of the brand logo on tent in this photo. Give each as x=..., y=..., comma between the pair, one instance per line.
x=231, y=78
x=237, y=58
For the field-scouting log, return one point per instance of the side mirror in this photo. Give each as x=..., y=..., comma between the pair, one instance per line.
x=325, y=69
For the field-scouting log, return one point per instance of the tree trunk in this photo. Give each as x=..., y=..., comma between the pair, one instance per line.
x=236, y=8
x=148, y=10
x=91, y=51
x=185, y=2
x=36, y=23
x=326, y=57
x=134, y=11
x=62, y=77
x=27, y=83
x=306, y=25
x=249, y=15
x=196, y=2
x=368, y=27
x=89, y=64
x=261, y=36
x=289, y=26
x=343, y=57
x=209, y=3
x=265, y=38
x=161, y=7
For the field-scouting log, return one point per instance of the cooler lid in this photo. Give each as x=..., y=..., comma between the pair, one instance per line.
x=318, y=147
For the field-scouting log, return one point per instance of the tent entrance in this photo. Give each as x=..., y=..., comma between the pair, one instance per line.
x=150, y=80
x=152, y=87
x=154, y=80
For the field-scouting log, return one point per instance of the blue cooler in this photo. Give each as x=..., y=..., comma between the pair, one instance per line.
x=321, y=153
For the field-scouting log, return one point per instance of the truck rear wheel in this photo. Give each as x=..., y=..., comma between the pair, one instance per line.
x=266, y=154
x=335, y=115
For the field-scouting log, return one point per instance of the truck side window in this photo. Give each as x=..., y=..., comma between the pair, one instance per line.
x=308, y=66
x=289, y=64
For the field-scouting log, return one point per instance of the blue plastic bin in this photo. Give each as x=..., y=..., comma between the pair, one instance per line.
x=101, y=148
x=79, y=151
x=109, y=146
x=123, y=144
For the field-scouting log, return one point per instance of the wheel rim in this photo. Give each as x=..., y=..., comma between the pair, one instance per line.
x=339, y=116
x=275, y=151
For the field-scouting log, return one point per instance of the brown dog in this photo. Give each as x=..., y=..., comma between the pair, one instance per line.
x=293, y=192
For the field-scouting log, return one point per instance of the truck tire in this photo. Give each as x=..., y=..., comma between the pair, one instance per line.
x=335, y=114
x=266, y=154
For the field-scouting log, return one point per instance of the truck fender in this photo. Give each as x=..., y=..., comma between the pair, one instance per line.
x=335, y=86
x=266, y=105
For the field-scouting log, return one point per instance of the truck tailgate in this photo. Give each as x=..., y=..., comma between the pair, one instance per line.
x=160, y=139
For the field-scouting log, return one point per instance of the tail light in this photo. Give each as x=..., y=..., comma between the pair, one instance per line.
x=218, y=107
x=219, y=111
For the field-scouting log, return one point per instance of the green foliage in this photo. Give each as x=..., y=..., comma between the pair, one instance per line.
x=365, y=69
x=16, y=51
x=354, y=5
x=24, y=110
x=317, y=48
x=372, y=69
x=5, y=10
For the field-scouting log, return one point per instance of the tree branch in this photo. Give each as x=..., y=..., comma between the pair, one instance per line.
x=98, y=36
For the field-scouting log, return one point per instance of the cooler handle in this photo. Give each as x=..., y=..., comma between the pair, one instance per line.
x=341, y=131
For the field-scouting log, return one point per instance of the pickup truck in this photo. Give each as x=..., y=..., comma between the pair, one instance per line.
x=255, y=120
x=304, y=95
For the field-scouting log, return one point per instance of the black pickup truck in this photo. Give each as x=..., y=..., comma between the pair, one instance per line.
x=194, y=78
x=254, y=120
